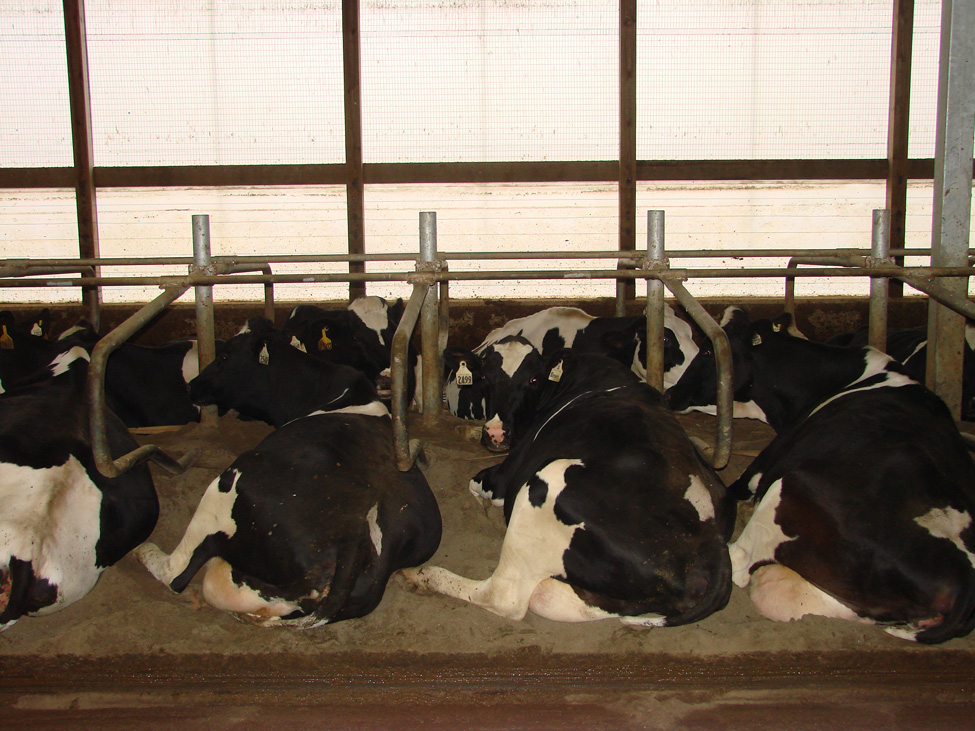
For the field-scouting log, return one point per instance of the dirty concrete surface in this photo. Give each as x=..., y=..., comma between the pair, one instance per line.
x=158, y=654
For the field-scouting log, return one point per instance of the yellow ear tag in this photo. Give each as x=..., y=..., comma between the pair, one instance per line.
x=37, y=330
x=324, y=343
x=756, y=339
x=777, y=327
x=264, y=358
x=297, y=344
x=6, y=342
x=464, y=375
x=556, y=373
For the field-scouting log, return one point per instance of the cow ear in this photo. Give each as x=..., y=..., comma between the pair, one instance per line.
x=454, y=354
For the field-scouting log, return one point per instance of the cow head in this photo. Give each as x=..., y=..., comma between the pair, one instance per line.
x=697, y=388
x=489, y=384
x=259, y=373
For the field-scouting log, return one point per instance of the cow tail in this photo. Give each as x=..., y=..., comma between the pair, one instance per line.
x=713, y=585
x=348, y=567
x=958, y=621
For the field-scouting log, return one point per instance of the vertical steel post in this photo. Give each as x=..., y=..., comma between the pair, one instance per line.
x=951, y=212
x=655, y=301
x=879, y=286
x=430, y=323
x=206, y=349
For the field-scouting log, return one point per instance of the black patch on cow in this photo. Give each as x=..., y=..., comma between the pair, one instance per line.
x=226, y=482
x=552, y=341
x=28, y=593
x=537, y=491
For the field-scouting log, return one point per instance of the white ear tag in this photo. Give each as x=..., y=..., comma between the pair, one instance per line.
x=37, y=330
x=264, y=358
x=464, y=376
x=777, y=327
x=297, y=344
x=556, y=373
x=756, y=339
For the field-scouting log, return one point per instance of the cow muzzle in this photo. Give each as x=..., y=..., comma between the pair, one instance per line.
x=494, y=436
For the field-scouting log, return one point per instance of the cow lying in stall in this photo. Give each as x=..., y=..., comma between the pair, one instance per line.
x=910, y=347
x=306, y=528
x=483, y=383
x=144, y=385
x=611, y=512
x=62, y=523
x=864, y=499
x=360, y=336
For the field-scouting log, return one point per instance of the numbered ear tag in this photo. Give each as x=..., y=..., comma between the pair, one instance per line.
x=297, y=344
x=324, y=343
x=756, y=339
x=777, y=327
x=264, y=358
x=6, y=342
x=556, y=373
x=37, y=330
x=464, y=376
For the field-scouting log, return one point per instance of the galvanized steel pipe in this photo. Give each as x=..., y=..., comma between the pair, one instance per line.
x=96, y=397
x=206, y=347
x=430, y=323
x=723, y=366
x=879, y=286
x=655, y=300
x=406, y=449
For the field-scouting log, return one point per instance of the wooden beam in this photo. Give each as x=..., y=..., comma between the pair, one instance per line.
x=76, y=46
x=626, y=290
x=355, y=198
x=898, y=123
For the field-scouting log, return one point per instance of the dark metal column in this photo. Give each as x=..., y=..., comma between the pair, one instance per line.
x=950, y=230
x=76, y=45
x=625, y=290
x=898, y=121
x=355, y=199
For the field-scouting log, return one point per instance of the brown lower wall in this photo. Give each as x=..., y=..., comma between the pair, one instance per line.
x=470, y=320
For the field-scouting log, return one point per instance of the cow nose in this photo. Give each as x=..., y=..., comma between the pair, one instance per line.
x=494, y=436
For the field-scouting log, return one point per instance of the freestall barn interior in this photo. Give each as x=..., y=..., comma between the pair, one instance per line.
x=339, y=123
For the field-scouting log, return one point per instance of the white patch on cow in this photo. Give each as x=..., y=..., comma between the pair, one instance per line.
x=739, y=410
x=246, y=328
x=51, y=518
x=875, y=363
x=782, y=595
x=556, y=600
x=754, y=482
x=73, y=330
x=970, y=335
x=917, y=349
x=568, y=320
x=62, y=361
x=729, y=312
x=222, y=592
x=512, y=355
x=477, y=490
x=373, y=408
x=373, y=311
x=213, y=515
x=375, y=532
x=191, y=362
x=699, y=496
x=532, y=552
x=949, y=524
x=685, y=340
x=761, y=536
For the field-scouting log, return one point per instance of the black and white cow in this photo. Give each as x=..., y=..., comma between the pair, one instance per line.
x=360, y=336
x=492, y=366
x=490, y=382
x=306, y=528
x=864, y=499
x=144, y=385
x=62, y=523
x=910, y=347
x=611, y=512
